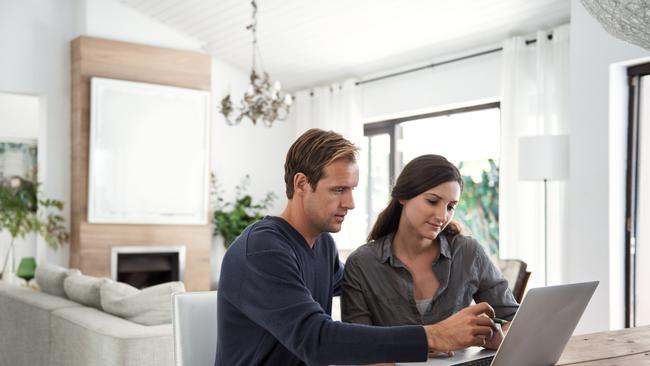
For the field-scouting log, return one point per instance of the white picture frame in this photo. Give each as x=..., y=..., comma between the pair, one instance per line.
x=148, y=154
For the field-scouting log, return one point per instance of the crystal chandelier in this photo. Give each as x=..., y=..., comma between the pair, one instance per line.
x=628, y=20
x=262, y=101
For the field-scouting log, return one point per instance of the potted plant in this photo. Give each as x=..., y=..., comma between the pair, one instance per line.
x=23, y=211
x=230, y=218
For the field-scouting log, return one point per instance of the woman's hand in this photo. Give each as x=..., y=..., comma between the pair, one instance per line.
x=497, y=336
x=495, y=341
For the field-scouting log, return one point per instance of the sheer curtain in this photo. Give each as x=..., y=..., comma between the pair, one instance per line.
x=336, y=107
x=534, y=102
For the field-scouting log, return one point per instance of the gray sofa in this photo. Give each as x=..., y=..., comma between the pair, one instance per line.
x=38, y=329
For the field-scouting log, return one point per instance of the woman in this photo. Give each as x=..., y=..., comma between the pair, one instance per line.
x=417, y=268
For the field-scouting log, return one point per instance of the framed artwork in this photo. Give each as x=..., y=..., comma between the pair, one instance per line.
x=18, y=157
x=149, y=154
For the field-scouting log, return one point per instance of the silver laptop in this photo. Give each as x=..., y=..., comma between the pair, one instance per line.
x=539, y=332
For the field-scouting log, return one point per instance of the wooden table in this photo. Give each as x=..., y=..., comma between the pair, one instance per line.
x=620, y=347
x=626, y=347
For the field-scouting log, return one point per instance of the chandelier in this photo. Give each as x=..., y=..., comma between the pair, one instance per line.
x=624, y=19
x=263, y=101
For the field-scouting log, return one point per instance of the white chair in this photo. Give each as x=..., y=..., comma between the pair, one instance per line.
x=195, y=328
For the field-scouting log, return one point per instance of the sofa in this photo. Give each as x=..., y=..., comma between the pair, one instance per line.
x=39, y=329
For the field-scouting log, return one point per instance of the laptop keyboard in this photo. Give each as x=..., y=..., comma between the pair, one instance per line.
x=485, y=361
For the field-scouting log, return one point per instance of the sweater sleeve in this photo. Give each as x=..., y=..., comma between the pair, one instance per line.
x=275, y=297
x=337, y=276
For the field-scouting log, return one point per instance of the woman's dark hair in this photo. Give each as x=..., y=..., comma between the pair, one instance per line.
x=419, y=175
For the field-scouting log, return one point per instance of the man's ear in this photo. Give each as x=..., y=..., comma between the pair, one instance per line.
x=300, y=183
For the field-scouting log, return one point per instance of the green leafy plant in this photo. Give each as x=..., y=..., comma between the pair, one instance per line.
x=231, y=218
x=478, y=209
x=24, y=211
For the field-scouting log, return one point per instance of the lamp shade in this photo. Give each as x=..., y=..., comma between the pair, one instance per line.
x=544, y=157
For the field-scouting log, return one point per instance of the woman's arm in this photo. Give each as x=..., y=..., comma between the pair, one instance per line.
x=493, y=287
x=354, y=308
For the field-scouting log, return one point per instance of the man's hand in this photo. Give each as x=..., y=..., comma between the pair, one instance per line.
x=466, y=328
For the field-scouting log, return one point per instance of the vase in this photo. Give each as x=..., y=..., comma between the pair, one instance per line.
x=9, y=265
x=26, y=269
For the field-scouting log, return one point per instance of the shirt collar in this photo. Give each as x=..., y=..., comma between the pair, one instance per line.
x=445, y=249
x=387, y=252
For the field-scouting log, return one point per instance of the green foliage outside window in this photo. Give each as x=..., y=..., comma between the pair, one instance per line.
x=478, y=210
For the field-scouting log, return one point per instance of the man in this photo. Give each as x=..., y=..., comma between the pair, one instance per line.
x=279, y=276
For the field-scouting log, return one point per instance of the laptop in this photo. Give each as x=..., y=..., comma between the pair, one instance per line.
x=538, y=333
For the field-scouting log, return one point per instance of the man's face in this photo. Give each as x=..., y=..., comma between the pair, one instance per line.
x=327, y=205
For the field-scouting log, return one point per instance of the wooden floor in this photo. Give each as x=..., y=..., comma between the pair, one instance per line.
x=621, y=347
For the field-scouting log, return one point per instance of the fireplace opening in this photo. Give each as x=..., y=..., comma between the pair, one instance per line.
x=143, y=267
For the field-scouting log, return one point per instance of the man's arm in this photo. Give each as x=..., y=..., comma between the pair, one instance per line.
x=274, y=296
x=471, y=326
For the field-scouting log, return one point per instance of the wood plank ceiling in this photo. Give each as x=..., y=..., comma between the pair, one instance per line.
x=308, y=42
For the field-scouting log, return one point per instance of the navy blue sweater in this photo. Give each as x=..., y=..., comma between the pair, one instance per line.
x=275, y=300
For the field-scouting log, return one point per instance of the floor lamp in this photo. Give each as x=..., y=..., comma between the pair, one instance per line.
x=544, y=157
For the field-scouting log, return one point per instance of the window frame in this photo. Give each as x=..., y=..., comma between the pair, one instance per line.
x=634, y=74
x=391, y=127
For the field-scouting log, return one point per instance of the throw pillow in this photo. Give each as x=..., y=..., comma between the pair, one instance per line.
x=50, y=278
x=84, y=289
x=149, y=306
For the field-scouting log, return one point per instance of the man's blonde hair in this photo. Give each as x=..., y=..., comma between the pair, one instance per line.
x=312, y=152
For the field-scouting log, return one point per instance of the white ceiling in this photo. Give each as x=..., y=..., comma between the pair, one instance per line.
x=308, y=42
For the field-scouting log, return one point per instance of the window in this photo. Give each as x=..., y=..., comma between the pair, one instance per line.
x=637, y=240
x=468, y=137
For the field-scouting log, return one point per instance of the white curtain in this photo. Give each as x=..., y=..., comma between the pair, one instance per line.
x=534, y=102
x=336, y=107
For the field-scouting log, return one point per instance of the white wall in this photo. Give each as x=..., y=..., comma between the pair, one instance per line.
x=21, y=122
x=20, y=116
x=236, y=150
x=112, y=20
x=593, y=50
x=444, y=86
x=244, y=149
x=35, y=40
x=35, y=60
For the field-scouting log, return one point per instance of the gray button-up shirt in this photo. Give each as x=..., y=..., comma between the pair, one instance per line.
x=378, y=289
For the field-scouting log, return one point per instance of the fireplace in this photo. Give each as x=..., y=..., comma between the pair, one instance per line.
x=145, y=266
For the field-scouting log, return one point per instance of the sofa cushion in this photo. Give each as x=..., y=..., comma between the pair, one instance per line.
x=84, y=289
x=50, y=278
x=25, y=317
x=150, y=306
x=87, y=336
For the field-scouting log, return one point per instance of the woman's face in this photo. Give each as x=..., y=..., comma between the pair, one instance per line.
x=429, y=213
